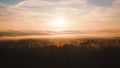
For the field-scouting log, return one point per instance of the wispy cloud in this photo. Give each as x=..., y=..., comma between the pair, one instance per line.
x=106, y=33
x=35, y=14
x=101, y=3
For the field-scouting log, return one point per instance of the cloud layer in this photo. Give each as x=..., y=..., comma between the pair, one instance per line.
x=37, y=14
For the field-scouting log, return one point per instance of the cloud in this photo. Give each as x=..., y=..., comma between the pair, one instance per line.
x=10, y=2
x=104, y=13
x=37, y=13
x=24, y=33
x=50, y=8
x=101, y=3
x=91, y=33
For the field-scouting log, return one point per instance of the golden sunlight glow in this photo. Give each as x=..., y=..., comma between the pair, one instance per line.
x=59, y=24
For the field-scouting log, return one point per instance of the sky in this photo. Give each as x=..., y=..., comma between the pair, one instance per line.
x=76, y=15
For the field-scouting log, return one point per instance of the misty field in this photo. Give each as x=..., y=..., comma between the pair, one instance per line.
x=60, y=53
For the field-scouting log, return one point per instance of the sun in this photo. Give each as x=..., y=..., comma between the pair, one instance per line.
x=59, y=24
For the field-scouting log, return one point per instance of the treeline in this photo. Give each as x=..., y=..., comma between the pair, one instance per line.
x=37, y=43
x=66, y=56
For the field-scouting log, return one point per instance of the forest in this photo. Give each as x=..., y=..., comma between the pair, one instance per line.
x=60, y=53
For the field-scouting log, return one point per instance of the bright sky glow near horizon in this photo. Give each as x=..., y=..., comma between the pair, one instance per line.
x=53, y=15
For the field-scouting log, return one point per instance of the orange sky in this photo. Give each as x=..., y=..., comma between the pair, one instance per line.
x=75, y=15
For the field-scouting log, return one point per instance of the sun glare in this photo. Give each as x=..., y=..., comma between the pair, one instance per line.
x=59, y=24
